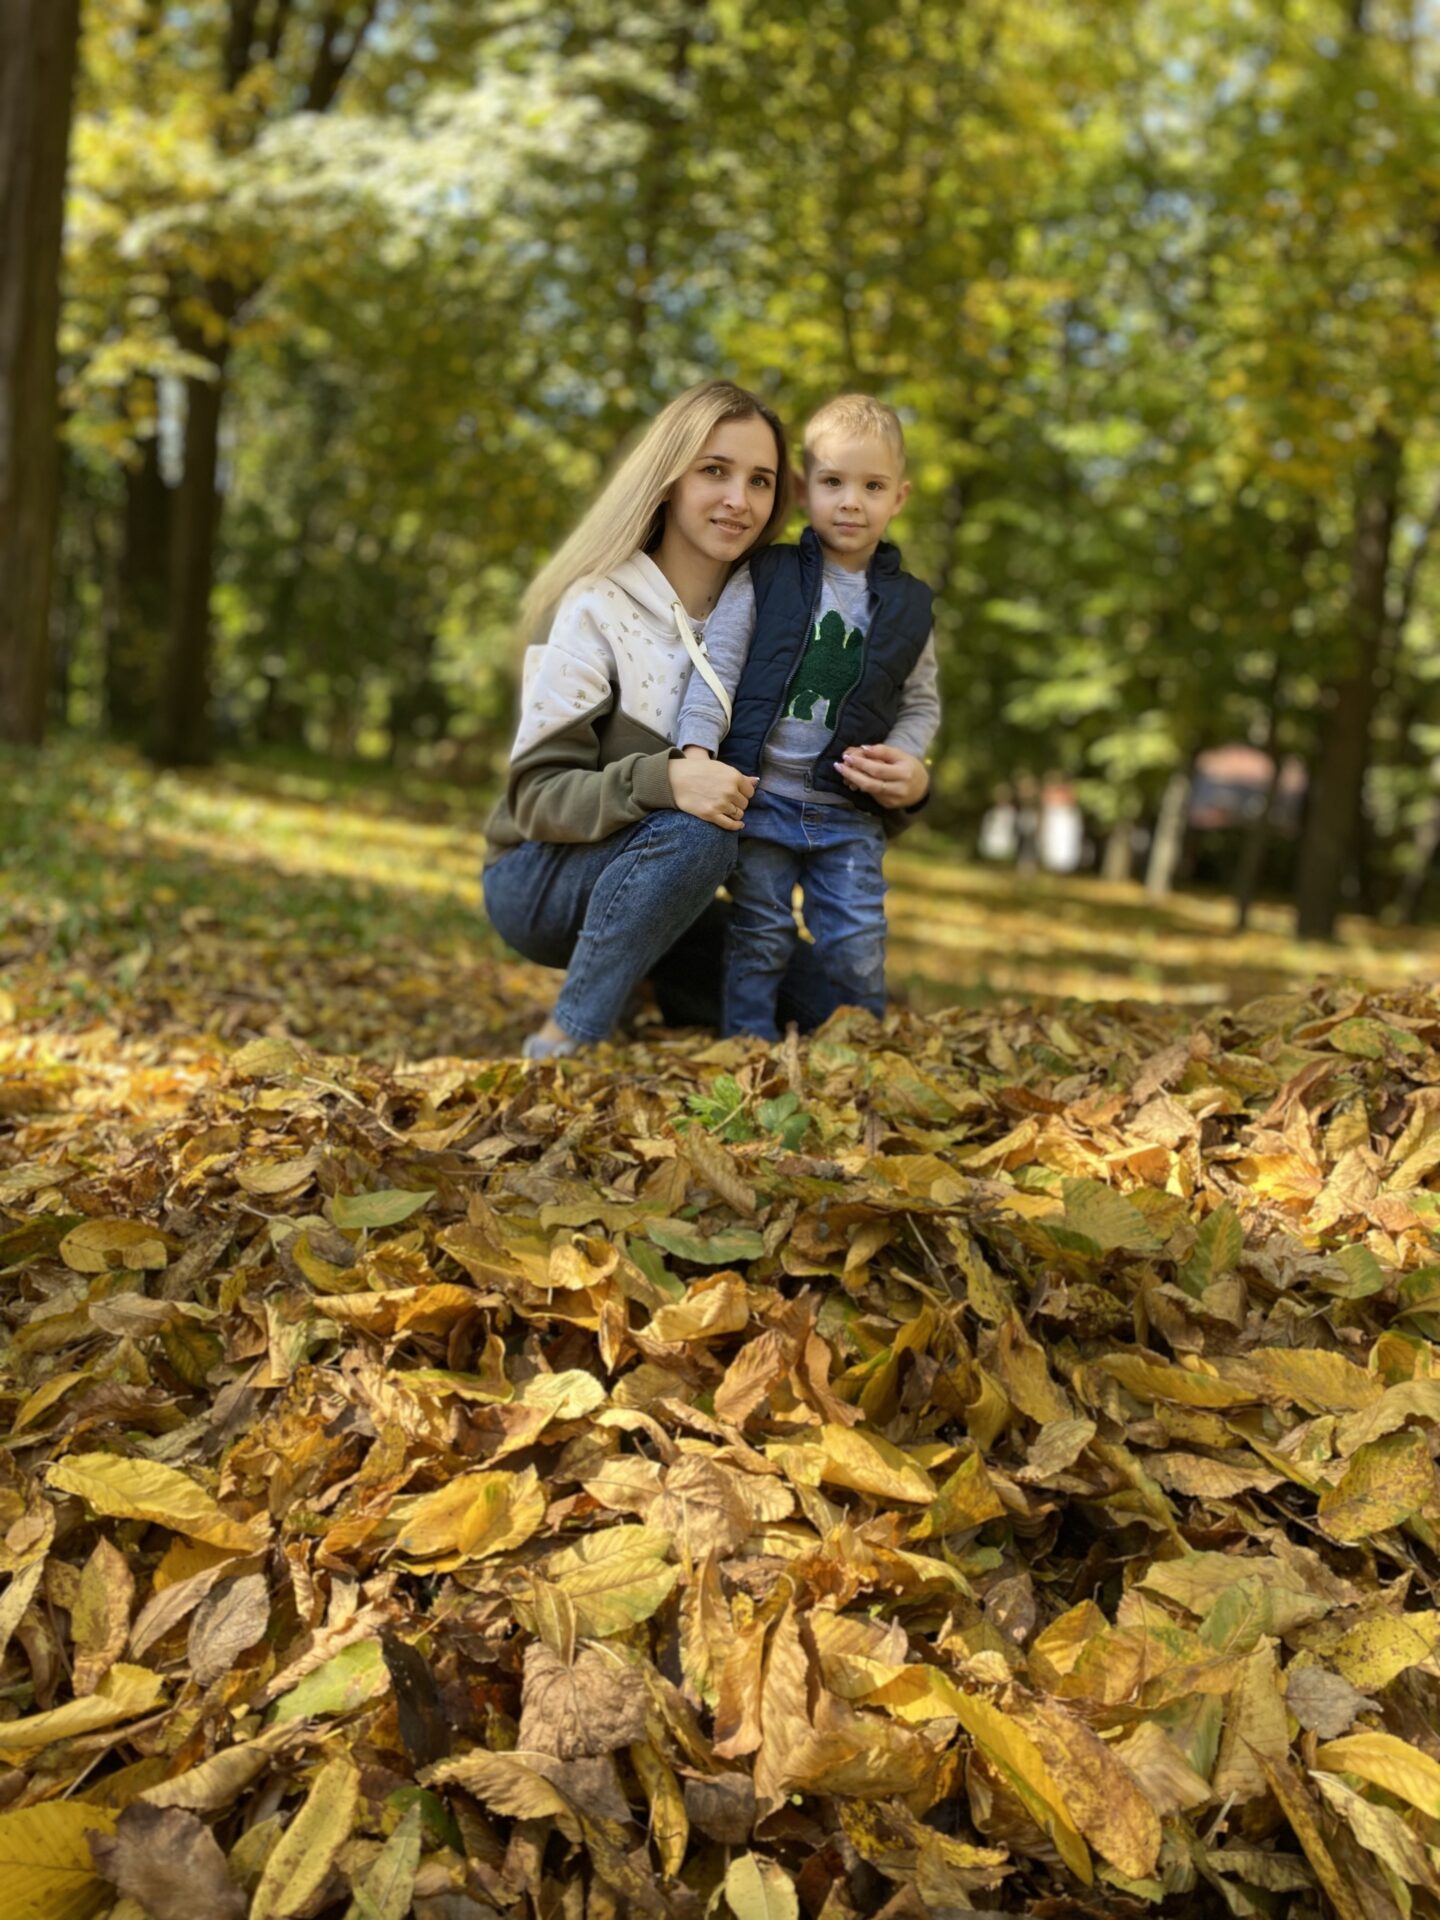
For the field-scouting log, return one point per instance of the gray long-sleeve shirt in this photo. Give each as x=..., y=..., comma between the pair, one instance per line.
x=807, y=722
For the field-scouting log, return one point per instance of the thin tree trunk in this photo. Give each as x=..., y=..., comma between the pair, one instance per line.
x=1169, y=840
x=183, y=736
x=1255, y=846
x=1118, y=860
x=1338, y=775
x=136, y=631
x=1412, y=888
x=38, y=43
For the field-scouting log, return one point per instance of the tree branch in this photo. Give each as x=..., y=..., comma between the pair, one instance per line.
x=239, y=41
x=336, y=54
x=279, y=20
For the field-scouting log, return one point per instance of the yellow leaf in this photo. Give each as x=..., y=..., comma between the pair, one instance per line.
x=720, y=1304
x=124, y=1694
x=564, y=1396
x=1255, y=1729
x=1393, y=1765
x=967, y=1499
x=614, y=1578
x=1319, y=1381
x=1299, y=1812
x=1396, y=1407
x=1012, y=1750
x=1107, y=1805
x=757, y=1889
x=46, y=1872
x=1149, y=1380
x=55, y=1388
x=1383, y=1831
x=130, y=1489
x=506, y=1782
x=99, y=1245
x=669, y=1822
x=1386, y=1482
x=1024, y=1371
x=305, y=1853
x=866, y=1463
x=1375, y=1651
x=100, y=1618
x=476, y=1515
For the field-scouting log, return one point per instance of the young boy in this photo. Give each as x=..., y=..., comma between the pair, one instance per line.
x=823, y=647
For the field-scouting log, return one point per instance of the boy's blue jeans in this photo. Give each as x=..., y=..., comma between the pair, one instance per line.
x=638, y=905
x=836, y=854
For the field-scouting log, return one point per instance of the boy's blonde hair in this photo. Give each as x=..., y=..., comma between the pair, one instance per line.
x=861, y=417
x=630, y=512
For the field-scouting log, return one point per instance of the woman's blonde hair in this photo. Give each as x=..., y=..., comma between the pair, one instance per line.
x=630, y=511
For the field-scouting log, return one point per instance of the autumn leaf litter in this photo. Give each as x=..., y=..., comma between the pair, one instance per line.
x=980, y=1463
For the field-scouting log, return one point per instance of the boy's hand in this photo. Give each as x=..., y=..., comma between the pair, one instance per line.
x=891, y=776
x=710, y=790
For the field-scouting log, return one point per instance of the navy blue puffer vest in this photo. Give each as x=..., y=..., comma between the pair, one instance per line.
x=787, y=599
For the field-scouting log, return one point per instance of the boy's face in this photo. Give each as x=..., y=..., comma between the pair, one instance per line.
x=853, y=491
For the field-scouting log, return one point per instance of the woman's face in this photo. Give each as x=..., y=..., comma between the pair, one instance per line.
x=721, y=503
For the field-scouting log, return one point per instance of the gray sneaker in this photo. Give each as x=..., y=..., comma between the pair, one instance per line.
x=533, y=1047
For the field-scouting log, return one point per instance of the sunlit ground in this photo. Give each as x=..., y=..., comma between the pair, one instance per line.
x=346, y=908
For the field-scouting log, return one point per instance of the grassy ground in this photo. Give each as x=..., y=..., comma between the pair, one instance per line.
x=347, y=910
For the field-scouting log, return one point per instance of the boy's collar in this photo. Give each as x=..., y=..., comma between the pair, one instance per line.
x=884, y=561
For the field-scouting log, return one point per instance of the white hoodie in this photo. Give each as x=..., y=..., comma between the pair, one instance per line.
x=598, y=709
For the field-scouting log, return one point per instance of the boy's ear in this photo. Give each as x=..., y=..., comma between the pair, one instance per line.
x=797, y=483
x=902, y=494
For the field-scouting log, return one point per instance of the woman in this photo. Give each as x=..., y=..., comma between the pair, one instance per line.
x=608, y=846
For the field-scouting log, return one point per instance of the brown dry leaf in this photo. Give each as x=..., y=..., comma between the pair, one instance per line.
x=589, y=1706
x=702, y=1508
x=170, y=1863
x=722, y=1807
x=228, y=1621
x=1323, y=1702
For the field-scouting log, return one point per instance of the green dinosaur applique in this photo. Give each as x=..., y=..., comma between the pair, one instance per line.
x=829, y=667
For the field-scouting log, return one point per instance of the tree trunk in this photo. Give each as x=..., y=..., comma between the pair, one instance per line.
x=1169, y=839
x=136, y=632
x=183, y=735
x=1338, y=775
x=1412, y=888
x=1118, y=861
x=38, y=42
x=1256, y=844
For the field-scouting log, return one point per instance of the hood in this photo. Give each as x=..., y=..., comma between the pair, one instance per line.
x=642, y=581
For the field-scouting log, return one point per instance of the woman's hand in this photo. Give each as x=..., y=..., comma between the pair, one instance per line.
x=710, y=790
x=891, y=776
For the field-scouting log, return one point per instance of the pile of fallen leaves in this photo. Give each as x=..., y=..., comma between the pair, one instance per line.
x=981, y=1463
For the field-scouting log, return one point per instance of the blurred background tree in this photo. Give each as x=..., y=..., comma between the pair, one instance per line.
x=362, y=296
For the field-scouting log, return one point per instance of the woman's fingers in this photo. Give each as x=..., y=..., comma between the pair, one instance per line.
x=711, y=791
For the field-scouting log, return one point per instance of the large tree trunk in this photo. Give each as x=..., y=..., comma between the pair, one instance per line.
x=183, y=735
x=1338, y=776
x=136, y=631
x=38, y=41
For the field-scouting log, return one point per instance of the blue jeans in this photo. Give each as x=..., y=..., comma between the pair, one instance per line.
x=638, y=905
x=836, y=854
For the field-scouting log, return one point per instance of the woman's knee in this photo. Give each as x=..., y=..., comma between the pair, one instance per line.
x=703, y=852
x=510, y=909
